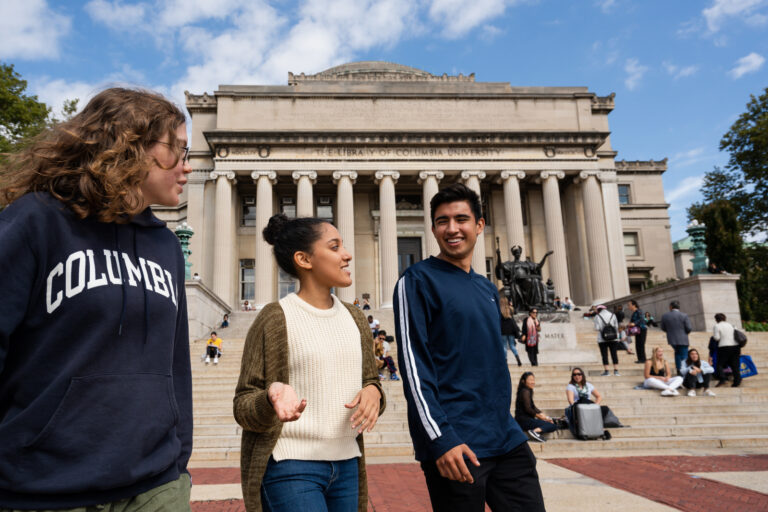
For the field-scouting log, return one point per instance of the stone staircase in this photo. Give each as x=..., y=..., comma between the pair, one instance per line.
x=734, y=420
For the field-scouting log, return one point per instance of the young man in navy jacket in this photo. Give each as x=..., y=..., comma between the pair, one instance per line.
x=455, y=374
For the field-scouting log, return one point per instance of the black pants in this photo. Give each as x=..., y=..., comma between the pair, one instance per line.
x=508, y=483
x=640, y=344
x=212, y=351
x=533, y=355
x=690, y=381
x=729, y=357
x=604, y=347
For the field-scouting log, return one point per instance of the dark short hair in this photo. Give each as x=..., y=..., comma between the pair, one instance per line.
x=720, y=317
x=213, y=333
x=289, y=236
x=634, y=303
x=382, y=331
x=453, y=193
x=675, y=304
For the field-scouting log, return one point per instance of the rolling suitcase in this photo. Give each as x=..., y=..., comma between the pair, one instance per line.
x=589, y=421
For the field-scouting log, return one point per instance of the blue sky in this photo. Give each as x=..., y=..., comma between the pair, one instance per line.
x=682, y=70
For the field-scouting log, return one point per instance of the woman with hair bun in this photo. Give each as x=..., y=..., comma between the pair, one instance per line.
x=95, y=380
x=309, y=383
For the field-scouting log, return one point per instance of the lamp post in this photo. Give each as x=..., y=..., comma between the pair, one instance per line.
x=184, y=231
x=699, y=247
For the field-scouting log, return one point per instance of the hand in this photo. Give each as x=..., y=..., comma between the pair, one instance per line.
x=451, y=464
x=285, y=402
x=367, y=401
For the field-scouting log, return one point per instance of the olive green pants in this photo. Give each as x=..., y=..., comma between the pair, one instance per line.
x=170, y=497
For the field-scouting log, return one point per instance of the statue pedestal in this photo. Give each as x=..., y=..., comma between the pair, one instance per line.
x=558, y=343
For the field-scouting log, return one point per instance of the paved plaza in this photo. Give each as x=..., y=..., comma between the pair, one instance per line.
x=721, y=483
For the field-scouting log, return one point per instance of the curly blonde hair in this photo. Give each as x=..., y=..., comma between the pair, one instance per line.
x=95, y=162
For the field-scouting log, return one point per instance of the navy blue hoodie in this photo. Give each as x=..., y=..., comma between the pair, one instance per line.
x=453, y=362
x=95, y=380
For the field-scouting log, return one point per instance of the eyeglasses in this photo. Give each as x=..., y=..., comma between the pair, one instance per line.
x=184, y=150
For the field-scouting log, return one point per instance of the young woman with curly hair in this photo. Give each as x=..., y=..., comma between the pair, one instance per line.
x=95, y=383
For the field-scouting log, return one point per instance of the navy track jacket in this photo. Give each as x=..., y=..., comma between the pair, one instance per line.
x=95, y=380
x=453, y=362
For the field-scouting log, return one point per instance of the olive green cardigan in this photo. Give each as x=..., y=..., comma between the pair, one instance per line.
x=265, y=360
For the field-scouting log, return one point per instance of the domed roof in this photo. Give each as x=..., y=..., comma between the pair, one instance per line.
x=373, y=70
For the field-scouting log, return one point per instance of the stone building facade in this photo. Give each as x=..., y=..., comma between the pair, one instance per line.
x=367, y=144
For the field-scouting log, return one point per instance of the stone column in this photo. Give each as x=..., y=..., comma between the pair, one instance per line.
x=614, y=233
x=553, y=216
x=387, y=234
x=304, y=181
x=222, y=236
x=264, y=264
x=345, y=222
x=513, y=211
x=597, y=249
x=472, y=180
x=429, y=182
x=195, y=215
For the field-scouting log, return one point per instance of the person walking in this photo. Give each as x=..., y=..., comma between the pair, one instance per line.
x=607, y=327
x=510, y=331
x=531, y=334
x=677, y=325
x=95, y=377
x=728, y=351
x=455, y=378
x=300, y=453
x=640, y=329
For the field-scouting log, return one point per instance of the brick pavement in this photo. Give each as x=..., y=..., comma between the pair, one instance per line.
x=665, y=479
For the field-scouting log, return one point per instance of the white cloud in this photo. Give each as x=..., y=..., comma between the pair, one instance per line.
x=690, y=157
x=459, y=17
x=747, y=64
x=118, y=16
x=606, y=5
x=679, y=72
x=29, y=29
x=721, y=10
x=684, y=188
x=635, y=72
x=54, y=92
x=259, y=50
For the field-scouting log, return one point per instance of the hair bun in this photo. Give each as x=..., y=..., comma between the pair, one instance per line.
x=276, y=224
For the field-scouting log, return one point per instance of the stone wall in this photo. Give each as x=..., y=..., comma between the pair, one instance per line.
x=205, y=309
x=701, y=297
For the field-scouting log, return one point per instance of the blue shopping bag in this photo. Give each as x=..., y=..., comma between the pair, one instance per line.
x=747, y=367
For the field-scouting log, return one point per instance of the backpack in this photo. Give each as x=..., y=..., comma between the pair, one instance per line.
x=608, y=332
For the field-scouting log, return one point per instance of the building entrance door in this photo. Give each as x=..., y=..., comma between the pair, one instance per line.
x=408, y=252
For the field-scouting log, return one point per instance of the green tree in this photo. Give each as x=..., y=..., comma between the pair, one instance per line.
x=746, y=174
x=21, y=115
x=735, y=204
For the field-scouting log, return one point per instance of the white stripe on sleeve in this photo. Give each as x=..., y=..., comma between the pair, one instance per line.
x=427, y=421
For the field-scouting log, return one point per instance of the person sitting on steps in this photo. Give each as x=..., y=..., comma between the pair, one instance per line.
x=657, y=374
x=696, y=374
x=213, y=349
x=527, y=415
x=380, y=350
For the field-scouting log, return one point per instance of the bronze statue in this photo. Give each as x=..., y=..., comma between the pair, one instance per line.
x=523, y=281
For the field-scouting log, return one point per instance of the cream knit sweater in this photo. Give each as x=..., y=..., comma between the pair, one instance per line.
x=325, y=367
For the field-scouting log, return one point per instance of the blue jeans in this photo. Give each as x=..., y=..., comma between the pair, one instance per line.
x=681, y=354
x=310, y=486
x=509, y=340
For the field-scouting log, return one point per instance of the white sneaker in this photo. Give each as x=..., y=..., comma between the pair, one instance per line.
x=215, y=360
x=207, y=360
x=675, y=392
x=709, y=392
x=667, y=392
x=692, y=392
